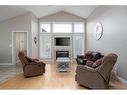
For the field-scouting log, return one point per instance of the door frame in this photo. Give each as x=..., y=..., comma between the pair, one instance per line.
x=13, y=53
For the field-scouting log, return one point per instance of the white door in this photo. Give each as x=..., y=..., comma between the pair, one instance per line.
x=19, y=44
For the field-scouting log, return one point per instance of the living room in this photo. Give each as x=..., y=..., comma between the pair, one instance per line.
x=57, y=36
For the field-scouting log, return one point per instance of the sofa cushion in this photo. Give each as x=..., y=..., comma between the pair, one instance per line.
x=88, y=55
x=29, y=59
x=89, y=63
x=97, y=63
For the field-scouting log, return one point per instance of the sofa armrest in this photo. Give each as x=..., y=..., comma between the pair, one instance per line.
x=33, y=64
x=33, y=69
x=36, y=59
x=88, y=77
x=39, y=63
x=86, y=68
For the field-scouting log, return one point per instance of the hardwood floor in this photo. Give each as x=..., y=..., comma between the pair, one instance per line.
x=50, y=80
x=7, y=72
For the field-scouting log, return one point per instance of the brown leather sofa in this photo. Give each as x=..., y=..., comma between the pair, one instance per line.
x=31, y=67
x=96, y=75
x=90, y=55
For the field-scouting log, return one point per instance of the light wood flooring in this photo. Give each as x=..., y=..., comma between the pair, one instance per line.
x=51, y=80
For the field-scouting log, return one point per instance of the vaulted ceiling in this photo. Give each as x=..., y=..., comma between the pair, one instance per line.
x=7, y=12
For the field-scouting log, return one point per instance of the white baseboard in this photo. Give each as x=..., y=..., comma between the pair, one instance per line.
x=6, y=64
x=122, y=80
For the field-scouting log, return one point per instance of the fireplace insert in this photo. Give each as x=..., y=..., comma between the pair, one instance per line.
x=62, y=54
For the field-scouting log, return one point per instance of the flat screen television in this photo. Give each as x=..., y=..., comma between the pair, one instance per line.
x=62, y=41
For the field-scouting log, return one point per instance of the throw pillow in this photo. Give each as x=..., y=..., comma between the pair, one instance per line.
x=97, y=63
x=89, y=63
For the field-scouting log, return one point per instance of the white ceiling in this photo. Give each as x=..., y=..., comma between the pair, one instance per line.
x=7, y=12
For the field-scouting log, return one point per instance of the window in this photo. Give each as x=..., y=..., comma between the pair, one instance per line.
x=62, y=28
x=45, y=28
x=78, y=45
x=49, y=30
x=45, y=46
x=78, y=27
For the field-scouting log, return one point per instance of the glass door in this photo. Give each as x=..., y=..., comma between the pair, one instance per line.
x=45, y=46
x=78, y=45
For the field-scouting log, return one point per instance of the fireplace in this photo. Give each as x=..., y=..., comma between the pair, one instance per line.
x=62, y=54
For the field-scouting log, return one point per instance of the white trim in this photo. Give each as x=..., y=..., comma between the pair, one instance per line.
x=18, y=31
x=122, y=80
x=63, y=31
x=6, y=64
x=79, y=23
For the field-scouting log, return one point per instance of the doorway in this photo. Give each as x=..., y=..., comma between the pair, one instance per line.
x=19, y=43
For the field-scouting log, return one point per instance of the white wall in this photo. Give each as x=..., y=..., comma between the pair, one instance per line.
x=25, y=22
x=114, y=20
x=19, y=23
x=34, y=33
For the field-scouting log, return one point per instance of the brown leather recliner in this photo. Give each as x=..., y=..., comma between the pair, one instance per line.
x=96, y=77
x=31, y=67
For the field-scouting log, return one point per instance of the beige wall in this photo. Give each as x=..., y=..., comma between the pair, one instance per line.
x=61, y=17
x=114, y=20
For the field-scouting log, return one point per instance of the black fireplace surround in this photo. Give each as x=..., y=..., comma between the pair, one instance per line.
x=62, y=54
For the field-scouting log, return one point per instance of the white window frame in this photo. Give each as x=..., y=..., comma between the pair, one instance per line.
x=62, y=23
x=79, y=23
x=52, y=33
x=45, y=32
